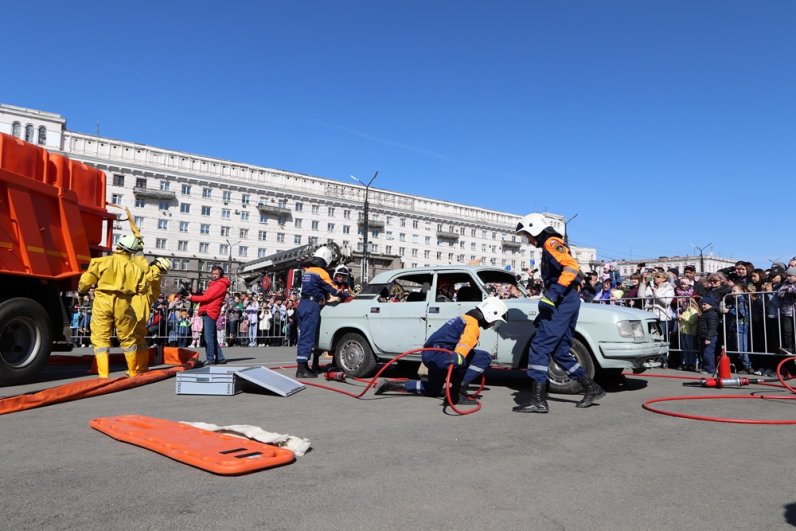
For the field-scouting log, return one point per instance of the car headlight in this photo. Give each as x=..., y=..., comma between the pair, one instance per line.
x=630, y=329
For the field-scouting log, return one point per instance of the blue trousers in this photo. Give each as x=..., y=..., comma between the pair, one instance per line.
x=212, y=349
x=709, y=354
x=553, y=338
x=438, y=363
x=309, y=318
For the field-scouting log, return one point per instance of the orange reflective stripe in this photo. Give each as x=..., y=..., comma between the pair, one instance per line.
x=560, y=252
x=324, y=276
x=469, y=337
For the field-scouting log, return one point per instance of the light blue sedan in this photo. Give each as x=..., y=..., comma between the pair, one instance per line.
x=400, y=308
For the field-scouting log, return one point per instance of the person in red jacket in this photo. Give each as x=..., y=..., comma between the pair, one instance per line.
x=211, y=301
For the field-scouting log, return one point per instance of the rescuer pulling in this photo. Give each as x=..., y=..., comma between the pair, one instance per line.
x=558, y=314
x=315, y=286
x=459, y=335
x=118, y=280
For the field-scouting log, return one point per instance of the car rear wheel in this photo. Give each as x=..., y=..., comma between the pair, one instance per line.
x=354, y=355
x=560, y=382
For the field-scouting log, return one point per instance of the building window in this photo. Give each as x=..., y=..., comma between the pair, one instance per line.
x=312, y=240
x=263, y=218
x=428, y=240
x=207, y=193
x=330, y=227
x=226, y=195
x=414, y=223
x=139, y=202
x=297, y=223
x=185, y=208
x=182, y=245
x=185, y=189
x=261, y=235
x=205, y=210
x=346, y=229
x=403, y=222
x=164, y=205
x=164, y=186
x=29, y=133
x=472, y=233
x=299, y=206
x=225, y=231
x=244, y=233
x=280, y=237
x=316, y=209
x=243, y=250
x=388, y=249
x=261, y=252
x=346, y=214
x=204, y=247
x=244, y=216
x=282, y=220
x=160, y=243
x=245, y=199
x=116, y=199
x=16, y=129
x=225, y=213
x=204, y=229
x=426, y=254
x=401, y=251
x=223, y=248
x=163, y=224
x=139, y=221
x=402, y=236
x=297, y=239
x=183, y=226
x=331, y=211
x=414, y=253
x=314, y=225
x=140, y=182
x=118, y=180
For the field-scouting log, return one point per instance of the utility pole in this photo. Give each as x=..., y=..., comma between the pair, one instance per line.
x=701, y=256
x=229, y=261
x=365, y=228
x=566, y=230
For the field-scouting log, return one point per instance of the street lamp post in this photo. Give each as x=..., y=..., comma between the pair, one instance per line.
x=229, y=260
x=365, y=227
x=701, y=257
x=566, y=231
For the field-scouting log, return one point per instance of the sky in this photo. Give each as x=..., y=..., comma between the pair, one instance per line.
x=661, y=125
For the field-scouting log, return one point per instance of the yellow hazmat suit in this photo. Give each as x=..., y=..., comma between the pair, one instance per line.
x=118, y=279
x=142, y=306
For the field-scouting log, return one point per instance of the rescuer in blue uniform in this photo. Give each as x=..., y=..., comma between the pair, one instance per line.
x=558, y=313
x=459, y=335
x=315, y=286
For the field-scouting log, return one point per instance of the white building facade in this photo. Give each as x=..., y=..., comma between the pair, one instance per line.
x=202, y=211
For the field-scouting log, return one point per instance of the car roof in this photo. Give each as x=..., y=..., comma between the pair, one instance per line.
x=385, y=276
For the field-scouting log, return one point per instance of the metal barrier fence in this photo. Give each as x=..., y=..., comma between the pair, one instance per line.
x=750, y=323
x=165, y=328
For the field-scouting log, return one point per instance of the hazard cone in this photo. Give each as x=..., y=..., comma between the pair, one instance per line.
x=724, y=365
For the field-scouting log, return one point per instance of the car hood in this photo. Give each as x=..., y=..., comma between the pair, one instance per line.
x=618, y=312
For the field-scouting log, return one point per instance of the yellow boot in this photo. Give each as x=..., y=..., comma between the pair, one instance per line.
x=132, y=360
x=103, y=364
x=142, y=360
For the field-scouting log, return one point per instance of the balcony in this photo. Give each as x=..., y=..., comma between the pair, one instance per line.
x=447, y=235
x=274, y=209
x=373, y=222
x=153, y=193
x=509, y=244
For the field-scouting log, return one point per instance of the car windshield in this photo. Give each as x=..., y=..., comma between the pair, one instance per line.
x=502, y=284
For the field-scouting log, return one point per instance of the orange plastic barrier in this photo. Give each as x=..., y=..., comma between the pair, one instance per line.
x=177, y=355
x=87, y=388
x=215, y=452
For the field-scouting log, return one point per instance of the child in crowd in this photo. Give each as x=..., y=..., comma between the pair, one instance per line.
x=708, y=333
x=183, y=329
x=738, y=322
x=688, y=318
x=196, y=328
x=786, y=297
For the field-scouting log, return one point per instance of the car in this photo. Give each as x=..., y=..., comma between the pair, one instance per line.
x=400, y=308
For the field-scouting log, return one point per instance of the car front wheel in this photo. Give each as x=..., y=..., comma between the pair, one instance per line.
x=354, y=355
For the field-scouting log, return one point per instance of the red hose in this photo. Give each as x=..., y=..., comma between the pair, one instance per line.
x=647, y=405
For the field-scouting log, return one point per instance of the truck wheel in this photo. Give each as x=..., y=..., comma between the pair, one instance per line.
x=354, y=355
x=559, y=381
x=25, y=339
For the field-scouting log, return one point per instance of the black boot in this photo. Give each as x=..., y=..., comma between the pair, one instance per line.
x=593, y=392
x=463, y=400
x=302, y=371
x=538, y=403
x=389, y=386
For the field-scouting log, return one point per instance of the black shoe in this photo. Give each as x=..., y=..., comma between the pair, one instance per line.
x=464, y=400
x=389, y=386
x=302, y=371
x=222, y=361
x=538, y=403
x=593, y=392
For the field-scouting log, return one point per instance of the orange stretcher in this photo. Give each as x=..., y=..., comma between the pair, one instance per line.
x=218, y=453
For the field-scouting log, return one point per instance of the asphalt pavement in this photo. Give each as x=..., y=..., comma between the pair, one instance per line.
x=401, y=462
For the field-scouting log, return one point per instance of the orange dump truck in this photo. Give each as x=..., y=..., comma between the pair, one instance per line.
x=52, y=222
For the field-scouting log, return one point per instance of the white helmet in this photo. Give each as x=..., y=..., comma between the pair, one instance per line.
x=493, y=310
x=534, y=224
x=130, y=243
x=325, y=254
x=341, y=270
x=163, y=263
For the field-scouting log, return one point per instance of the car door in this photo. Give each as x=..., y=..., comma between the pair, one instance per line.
x=396, y=327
